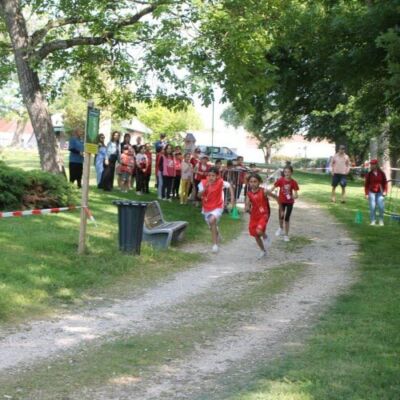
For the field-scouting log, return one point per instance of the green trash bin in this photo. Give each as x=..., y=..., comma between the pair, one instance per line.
x=130, y=224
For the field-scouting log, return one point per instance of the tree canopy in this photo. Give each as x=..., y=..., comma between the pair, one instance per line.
x=331, y=68
x=141, y=47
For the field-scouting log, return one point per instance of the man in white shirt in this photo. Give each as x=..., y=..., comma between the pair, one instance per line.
x=340, y=168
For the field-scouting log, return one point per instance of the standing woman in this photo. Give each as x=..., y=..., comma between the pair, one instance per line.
x=375, y=191
x=167, y=167
x=112, y=155
x=141, y=168
x=75, y=147
x=100, y=158
x=148, y=169
x=178, y=172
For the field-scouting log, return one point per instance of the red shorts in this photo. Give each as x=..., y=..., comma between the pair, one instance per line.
x=258, y=224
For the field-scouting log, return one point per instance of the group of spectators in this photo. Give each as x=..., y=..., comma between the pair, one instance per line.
x=178, y=173
x=131, y=163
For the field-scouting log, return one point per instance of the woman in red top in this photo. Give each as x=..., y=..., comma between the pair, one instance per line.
x=375, y=191
x=288, y=188
x=258, y=205
x=166, y=165
x=211, y=192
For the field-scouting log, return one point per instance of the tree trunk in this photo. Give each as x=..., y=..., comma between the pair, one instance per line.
x=31, y=91
x=384, y=152
x=373, y=148
x=19, y=130
x=267, y=150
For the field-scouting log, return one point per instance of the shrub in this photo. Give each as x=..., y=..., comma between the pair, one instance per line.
x=33, y=189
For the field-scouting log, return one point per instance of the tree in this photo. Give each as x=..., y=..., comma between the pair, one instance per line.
x=129, y=42
x=263, y=129
x=330, y=68
x=171, y=122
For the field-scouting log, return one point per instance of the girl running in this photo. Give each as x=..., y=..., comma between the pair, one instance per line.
x=258, y=205
x=211, y=192
x=288, y=188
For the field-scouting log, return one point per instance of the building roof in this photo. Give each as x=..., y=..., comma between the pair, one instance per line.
x=7, y=126
x=135, y=125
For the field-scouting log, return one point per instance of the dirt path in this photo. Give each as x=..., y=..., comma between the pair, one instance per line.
x=259, y=336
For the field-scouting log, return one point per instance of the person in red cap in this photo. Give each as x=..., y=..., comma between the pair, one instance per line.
x=375, y=191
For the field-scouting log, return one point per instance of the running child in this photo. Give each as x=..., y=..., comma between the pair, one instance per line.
x=288, y=188
x=257, y=204
x=211, y=192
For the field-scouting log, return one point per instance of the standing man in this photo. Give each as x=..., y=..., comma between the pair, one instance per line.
x=161, y=143
x=75, y=147
x=340, y=168
x=138, y=144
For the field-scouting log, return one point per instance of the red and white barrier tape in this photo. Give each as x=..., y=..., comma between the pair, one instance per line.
x=44, y=211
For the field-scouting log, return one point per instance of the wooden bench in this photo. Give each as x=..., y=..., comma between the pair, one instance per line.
x=159, y=232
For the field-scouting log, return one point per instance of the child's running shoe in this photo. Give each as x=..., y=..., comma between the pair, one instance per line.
x=267, y=243
x=215, y=248
x=261, y=255
x=286, y=239
x=279, y=232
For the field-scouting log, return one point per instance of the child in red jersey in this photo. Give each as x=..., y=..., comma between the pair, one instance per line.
x=288, y=188
x=211, y=192
x=258, y=205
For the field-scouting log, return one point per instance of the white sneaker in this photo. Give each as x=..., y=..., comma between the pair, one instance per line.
x=261, y=255
x=381, y=223
x=286, y=239
x=279, y=232
x=373, y=223
x=215, y=248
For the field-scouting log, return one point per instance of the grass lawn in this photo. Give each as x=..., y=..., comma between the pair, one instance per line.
x=354, y=352
x=40, y=269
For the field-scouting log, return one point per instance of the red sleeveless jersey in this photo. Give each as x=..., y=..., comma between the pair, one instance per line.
x=259, y=204
x=213, y=194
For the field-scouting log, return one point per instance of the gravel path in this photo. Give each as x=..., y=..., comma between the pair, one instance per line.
x=329, y=272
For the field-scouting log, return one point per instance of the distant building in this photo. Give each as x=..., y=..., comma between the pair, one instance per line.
x=26, y=136
x=246, y=145
x=136, y=128
x=298, y=147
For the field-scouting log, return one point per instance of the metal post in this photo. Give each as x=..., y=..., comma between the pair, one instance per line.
x=85, y=191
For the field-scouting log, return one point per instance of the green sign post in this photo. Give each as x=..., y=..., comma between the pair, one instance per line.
x=92, y=130
x=91, y=145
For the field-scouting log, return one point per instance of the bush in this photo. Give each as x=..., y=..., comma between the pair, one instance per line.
x=33, y=189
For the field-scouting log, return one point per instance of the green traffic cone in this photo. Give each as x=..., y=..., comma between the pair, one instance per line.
x=359, y=217
x=235, y=213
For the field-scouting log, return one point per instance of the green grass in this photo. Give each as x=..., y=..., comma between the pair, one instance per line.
x=354, y=351
x=130, y=358
x=41, y=270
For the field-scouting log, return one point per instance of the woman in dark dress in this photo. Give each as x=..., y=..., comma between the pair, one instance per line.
x=112, y=156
